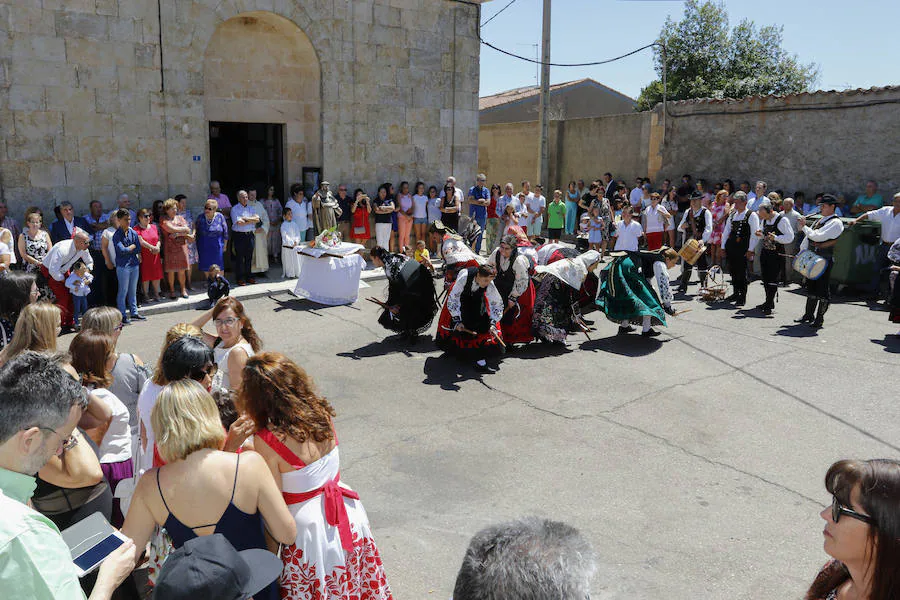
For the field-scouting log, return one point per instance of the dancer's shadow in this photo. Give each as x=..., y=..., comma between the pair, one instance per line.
x=447, y=372
x=632, y=345
x=890, y=342
x=799, y=330
x=537, y=350
x=390, y=345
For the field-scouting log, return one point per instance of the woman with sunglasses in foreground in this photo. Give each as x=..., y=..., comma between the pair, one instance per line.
x=862, y=532
x=235, y=341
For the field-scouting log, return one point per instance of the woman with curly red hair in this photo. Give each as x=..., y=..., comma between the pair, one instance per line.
x=334, y=549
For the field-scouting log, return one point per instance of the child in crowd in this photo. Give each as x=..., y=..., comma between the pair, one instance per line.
x=595, y=227
x=408, y=251
x=556, y=217
x=79, y=284
x=509, y=218
x=218, y=286
x=422, y=256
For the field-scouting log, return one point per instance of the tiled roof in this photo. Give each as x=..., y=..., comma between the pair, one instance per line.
x=533, y=90
x=814, y=94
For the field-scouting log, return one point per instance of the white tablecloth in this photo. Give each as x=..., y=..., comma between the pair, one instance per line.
x=330, y=280
x=341, y=250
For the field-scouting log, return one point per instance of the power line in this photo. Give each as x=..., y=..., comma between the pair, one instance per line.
x=494, y=16
x=553, y=64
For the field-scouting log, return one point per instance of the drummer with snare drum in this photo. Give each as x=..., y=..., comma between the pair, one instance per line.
x=821, y=238
x=696, y=224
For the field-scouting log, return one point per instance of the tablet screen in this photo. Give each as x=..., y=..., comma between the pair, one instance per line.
x=98, y=552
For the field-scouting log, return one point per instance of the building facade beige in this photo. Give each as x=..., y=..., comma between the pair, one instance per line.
x=99, y=97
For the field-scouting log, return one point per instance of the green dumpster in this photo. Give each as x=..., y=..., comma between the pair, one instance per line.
x=855, y=252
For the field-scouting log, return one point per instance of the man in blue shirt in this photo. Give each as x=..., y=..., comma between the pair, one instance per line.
x=128, y=267
x=479, y=199
x=871, y=200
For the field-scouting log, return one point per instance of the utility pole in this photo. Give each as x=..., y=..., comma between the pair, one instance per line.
x=544, y=152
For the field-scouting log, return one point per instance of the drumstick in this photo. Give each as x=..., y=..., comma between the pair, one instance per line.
x=378, y=302
x=682, y=311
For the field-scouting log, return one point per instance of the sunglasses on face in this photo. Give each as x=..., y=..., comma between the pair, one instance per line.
x=226, y=322
x=838, y=509
x=209, y=370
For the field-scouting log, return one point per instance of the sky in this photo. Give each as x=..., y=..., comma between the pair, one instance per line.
x=854, y=43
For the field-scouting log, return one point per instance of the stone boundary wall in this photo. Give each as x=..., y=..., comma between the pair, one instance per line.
x=824, y=141
x=84, y=116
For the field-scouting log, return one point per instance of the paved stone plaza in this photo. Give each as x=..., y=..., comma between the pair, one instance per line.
x=693, y=461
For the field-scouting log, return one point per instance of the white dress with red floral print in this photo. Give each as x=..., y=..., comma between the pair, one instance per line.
x=324, y=563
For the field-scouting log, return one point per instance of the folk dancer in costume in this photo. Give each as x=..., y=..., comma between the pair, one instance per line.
x=696, y=224
x=513, y=281
x=739, y=241
x=821, y=239
x=626, y=296
x=775, y=232
x=469, y=325
x=411, y=303
x=557, y=310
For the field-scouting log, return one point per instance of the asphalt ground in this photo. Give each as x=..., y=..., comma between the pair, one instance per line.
x=693, y=462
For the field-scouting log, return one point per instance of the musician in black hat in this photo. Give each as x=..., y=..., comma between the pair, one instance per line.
x=821, y=238
x=775, y=231
x=739, y=241
x=696, y=224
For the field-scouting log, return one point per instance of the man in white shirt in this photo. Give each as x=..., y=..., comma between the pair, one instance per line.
x=889, y=217
x=56, y=266
x=628, y=232
x=537, y=206
x=301, y=209
x=695, y=224
x=821, y=239
x=790, y=249
x=739, y=241
x=244, y=219
x=775, y=231
x=521, y=208
x=634, y=197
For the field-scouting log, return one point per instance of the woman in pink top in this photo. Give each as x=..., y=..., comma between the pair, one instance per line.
x=404, y=214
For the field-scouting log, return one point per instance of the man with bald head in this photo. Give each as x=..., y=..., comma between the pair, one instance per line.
x=56, y=267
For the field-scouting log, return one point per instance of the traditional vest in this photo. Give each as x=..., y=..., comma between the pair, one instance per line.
x=506, y=279
x=697, y=224
x=473, y=310
x=823, y=251
x=740, y=231
x=773, y=228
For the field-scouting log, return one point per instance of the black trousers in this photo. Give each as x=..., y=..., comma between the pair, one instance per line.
x=97, y=297
x=243, y=254
x=736, y=257
x=770, y=264
x=702, y=269
x=820, y=289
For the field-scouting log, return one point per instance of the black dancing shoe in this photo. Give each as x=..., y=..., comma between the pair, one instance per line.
x=804, y=319
x=486, y=369
x=624, y=330
x=732, y=298
x=818, y=323
x=650, y=333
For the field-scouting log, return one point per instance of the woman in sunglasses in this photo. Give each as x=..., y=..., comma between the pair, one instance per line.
x=235, y=341
x=862, y=532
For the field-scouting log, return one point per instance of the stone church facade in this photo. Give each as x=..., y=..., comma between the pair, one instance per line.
x=99, y=97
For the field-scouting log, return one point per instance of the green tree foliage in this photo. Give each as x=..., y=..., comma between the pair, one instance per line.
x=706, y=60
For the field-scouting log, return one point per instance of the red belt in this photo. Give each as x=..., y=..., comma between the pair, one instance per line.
x=335, y=510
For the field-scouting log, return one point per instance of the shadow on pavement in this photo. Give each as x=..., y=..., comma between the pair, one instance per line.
x=448, y=372
x=298, y=305
x=624, y=345
x=800, y=330
x=390, y=345
x=538, y=349
x=890, y=342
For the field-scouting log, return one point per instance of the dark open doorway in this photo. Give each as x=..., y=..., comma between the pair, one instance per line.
x=244, y=156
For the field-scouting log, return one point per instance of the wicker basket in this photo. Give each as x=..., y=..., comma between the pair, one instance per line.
x=716, y=288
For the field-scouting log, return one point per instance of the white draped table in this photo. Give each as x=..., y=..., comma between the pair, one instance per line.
x=330, y=275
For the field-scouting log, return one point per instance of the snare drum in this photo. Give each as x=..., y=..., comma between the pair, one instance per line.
x=691, y=251
x=810, y=265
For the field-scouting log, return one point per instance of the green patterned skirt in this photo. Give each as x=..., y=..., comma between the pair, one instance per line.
x=625, y=294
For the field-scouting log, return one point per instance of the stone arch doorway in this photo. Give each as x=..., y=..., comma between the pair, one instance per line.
x=261, y=70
